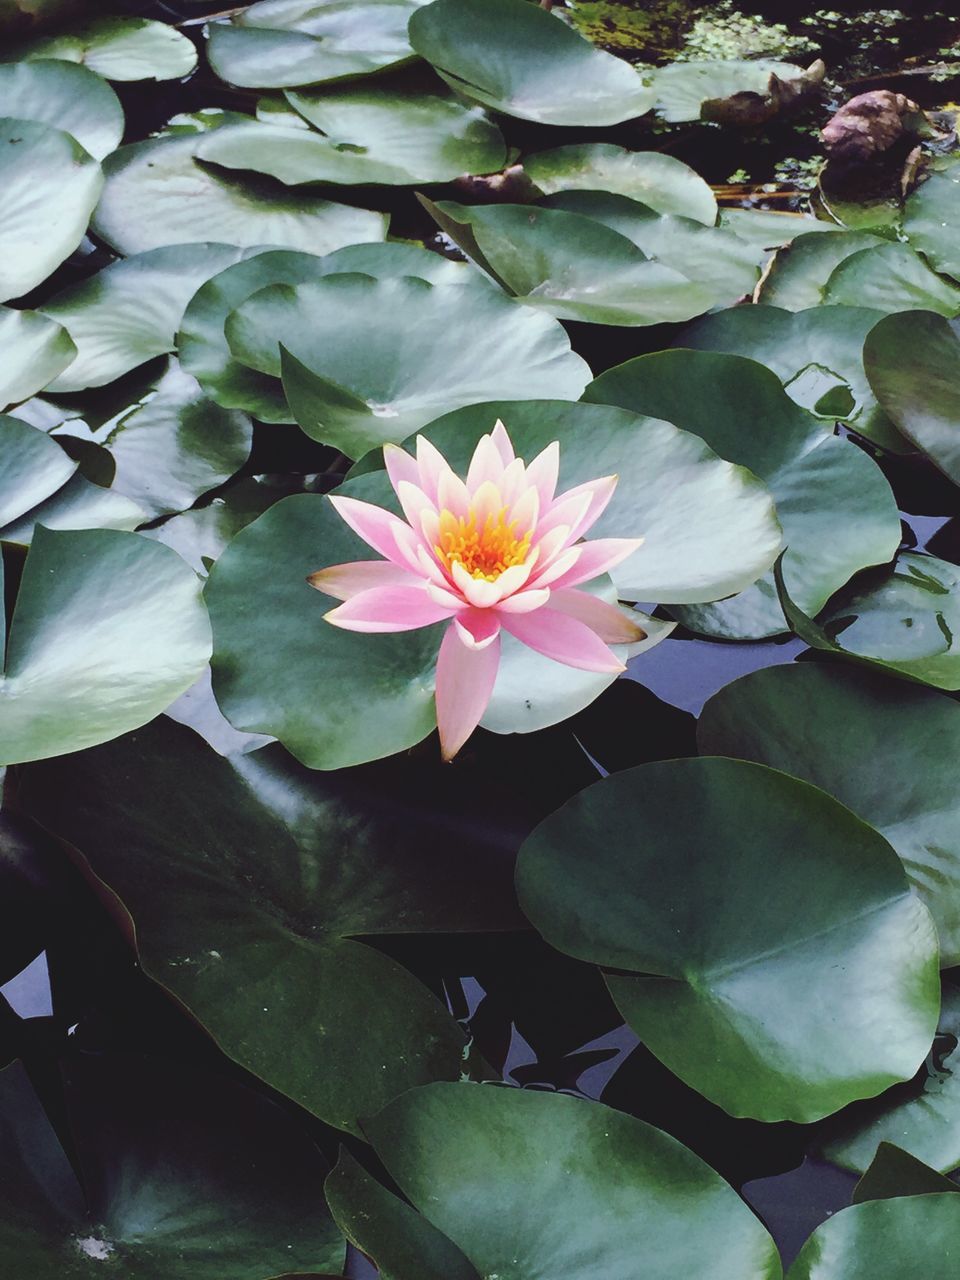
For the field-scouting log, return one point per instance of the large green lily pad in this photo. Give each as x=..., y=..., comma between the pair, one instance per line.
x=913, y=363
x=797, y=278
x=906, y=1238
x=817, y=354
x=285, y=43
x=783, y=967
x=850, y=732
x=367, y=135
x=889, y=278
x=921, y=1119
x=526, y=63
x=661, y=182
x=539, y=1186
x=156, y=194
x=183, y=1176
x=366, y=361
x=50, y=186
x=246, y=907
x=68, y=97
x=570, y=266
x=107, y=631
x=837, y=510
x=202, y=342
x=131, y=310
x=35, y=349
x=930, y=218
x=117, y=48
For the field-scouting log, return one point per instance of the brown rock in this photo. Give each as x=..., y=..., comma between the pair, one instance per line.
x=870, y=124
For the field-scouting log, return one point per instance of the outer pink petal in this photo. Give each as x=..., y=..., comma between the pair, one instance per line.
x=346, y=580
x=389, y=609
x=567, y=510
x=513, y=482
x=543, y=471
x=374, y=525
x=414, y=501
x=563, y=638
x=502, y=440
x=465, y=680
x=400, y=465
x=597, y=557
x=600, y=491
x=477, y=627
x=431, y=464
x=485, y=465
x=611, y=623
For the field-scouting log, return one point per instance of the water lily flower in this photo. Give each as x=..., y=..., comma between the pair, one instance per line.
x=499, y=550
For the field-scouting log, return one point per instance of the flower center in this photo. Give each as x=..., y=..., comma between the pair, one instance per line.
x=486, y=550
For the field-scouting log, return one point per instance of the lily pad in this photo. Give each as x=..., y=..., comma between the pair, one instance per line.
x=682, y=88
x=525, y=62
x=157, y=194
x=921, y=1119
x=889, y=278
x=783, y=966
x=150, y=1135
x=286, y=43
x=203, y=345
x=366, y=136
x=107, y=631
x=39, y=483
x=930, y=219
x=659, y=181
x=570, y=266
x=913, y=363
x=572, y=1188
x=817, y=354
x=50, y=187
x=813, y=720
x=35, y=349
x=202, y=534
x=117, y=48
x=68, y=97
x=708, y=256
x=906, y=1238
x=247, y=910
x=769, y=229
x=797, y=276
x=131, y=310
x=367, y=361
x=894, y=1172
x=837, y=510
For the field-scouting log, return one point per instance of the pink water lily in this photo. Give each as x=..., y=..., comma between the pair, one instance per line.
x=498, y=550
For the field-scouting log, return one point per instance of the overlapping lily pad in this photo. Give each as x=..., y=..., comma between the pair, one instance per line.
x=783, y=966
x=573, y=1189
x=367, y=361
x=107, y=631
x=798, y=276
x=68, y=97
x=837, y=510
x=850, y=732
x=930, y=218
x=913, y=363
x=247, y=908
x=906, y=1238
x=525, y=62
x=181, y=1175
x=118, y=48
x=156, y=194
x=569, y=265
x=131, y=310
x=683, y=87
x=35, y=349
x=366, y=135
x=50, y=187
x=203, y=345
x=286, y=43
x=894, y=1172
x=817, y=354
x=39, y=483
x=889, y=278
x=659, y=181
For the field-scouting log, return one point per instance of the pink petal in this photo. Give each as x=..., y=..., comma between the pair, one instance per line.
x=513, y=482
x=400, y=466
x=477, y=627
x=543, y=471
x=414, y=501
x=563, y=638
x=346, y=580
x=452, y=494
x=389, y=609
x=465, y=680
x=597, y=557
x=485, y=465
x=486, y=501
x=431, y=464
x=443, y=595
x=608, y=621
x=526, y=510
x=569, y=509
x=501, y=439
x=476, y=591
x=373, y=524
x=600, y=491
x=562, y=564
x=524, y=601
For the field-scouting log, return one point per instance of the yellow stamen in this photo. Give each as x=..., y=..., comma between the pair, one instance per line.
x=485, y=552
